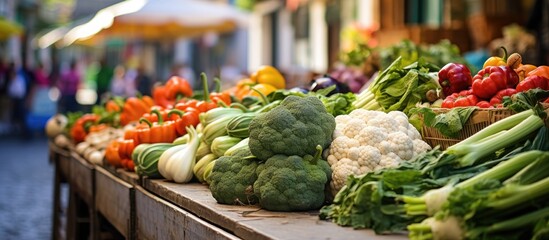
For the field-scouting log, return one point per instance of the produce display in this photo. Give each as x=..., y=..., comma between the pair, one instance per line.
x=360, y=159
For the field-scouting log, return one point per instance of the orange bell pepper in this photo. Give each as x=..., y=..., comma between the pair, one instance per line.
x=542, y=71
x=496, y=61
x=188, y=118
x=160, y=97
x=177, y=88
x=128, y=164
x=114, y=105
x=98, y=128
x=134, y=108
x=524, y=70
x=125, y=148
x=80, y=128
x=111, y=154
x=161, y=131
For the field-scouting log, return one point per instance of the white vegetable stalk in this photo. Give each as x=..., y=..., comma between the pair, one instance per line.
x=177, y=163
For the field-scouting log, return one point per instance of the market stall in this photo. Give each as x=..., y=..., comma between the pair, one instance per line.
x=422, y=152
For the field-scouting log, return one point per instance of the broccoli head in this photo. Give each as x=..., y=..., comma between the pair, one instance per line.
x=295, y=127
x=292, y=183
x=232, y=178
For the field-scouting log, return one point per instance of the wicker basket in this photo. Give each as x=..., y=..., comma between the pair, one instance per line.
x=479, y=119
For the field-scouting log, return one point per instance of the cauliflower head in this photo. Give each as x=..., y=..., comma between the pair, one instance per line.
x=365, y=141
x=295, y=127
x=292, y=183
x=232, y=178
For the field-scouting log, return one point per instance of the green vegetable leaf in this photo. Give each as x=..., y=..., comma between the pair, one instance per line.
x=452, y=122
x=527, y=100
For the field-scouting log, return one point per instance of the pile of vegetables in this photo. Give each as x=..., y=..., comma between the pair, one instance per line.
x=500, y=77
x=389, y=200
x=365, y=141
x=281, y=166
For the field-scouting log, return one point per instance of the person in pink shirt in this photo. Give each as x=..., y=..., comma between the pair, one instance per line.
x=68, y=85
x=42, y=79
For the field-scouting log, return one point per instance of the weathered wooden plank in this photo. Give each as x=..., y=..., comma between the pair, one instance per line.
x=81, y=178
x=197, y=228
x=60, y=157
x=156, y=218
x=129, y=177
x=114, y=199
x=159, y=219
x=251, y=222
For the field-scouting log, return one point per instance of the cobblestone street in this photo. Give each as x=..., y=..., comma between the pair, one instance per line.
x=26, y=179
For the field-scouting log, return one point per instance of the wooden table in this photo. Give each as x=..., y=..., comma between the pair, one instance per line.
x=141, y=208
x=251, y=222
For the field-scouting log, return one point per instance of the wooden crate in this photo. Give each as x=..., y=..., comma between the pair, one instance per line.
x=159, y=219
x=114, y=199
x=82, y=178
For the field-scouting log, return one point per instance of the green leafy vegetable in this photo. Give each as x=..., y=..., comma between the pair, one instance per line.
x=449, y=123
x=399, y=87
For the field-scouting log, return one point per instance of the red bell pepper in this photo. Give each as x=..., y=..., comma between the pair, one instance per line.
x=454, y=77
x=489, y=81
x=462, y=99
x=533, y=81
x=498, y=98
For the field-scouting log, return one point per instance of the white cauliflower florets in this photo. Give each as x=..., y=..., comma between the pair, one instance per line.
x=365, y=115
x=353, y=127
x=341, y=145
x=400, y=117
x=371, y=136
x=341, y=171
x=420, y=146
x=389, y=160
x=341, y=122
x=413, y=133
x=384, y=122
x=366, y=156
x=398, y=143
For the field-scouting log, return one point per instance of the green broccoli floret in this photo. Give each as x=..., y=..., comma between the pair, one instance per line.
x=293, y=183
x=295, y=127
x=232, y=178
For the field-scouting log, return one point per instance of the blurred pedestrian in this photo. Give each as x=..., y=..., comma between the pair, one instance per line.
x=3, y=77
x=17, y=91
x=143, y=81
x=117, y=82
x=40, y=76
x=103, y=79
x=68, y=85
x=130, y=86
x=39, y=101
